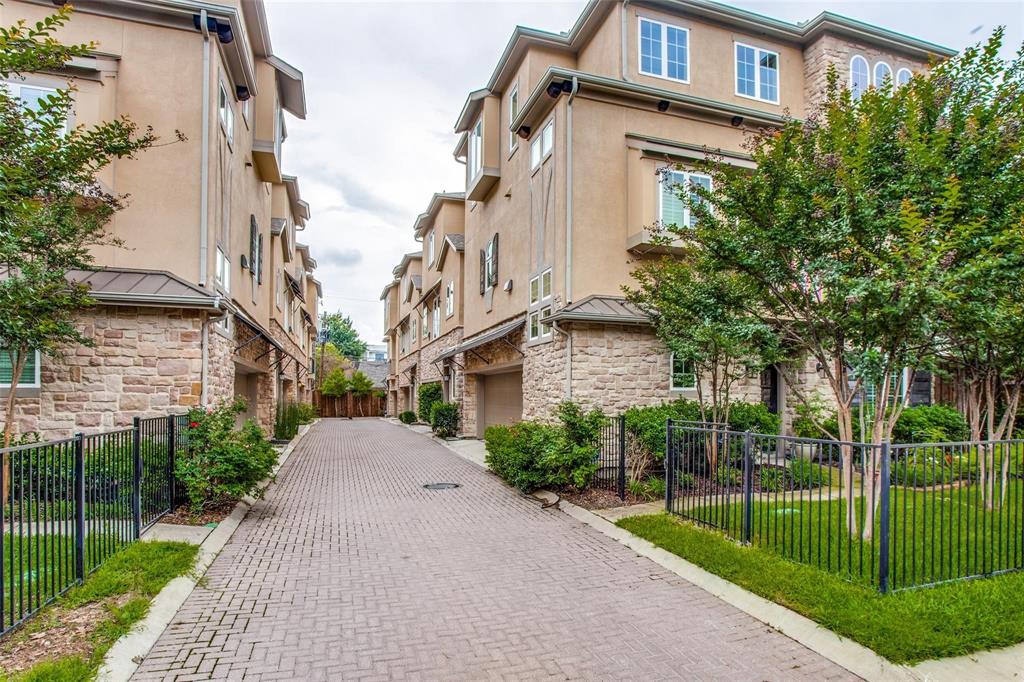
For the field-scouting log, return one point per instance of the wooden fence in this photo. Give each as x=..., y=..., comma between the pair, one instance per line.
x=349, y=405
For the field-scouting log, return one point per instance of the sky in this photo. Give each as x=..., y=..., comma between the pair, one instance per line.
x=385, y=82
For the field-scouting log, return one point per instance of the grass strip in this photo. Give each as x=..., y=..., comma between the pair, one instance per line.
x=905, y=627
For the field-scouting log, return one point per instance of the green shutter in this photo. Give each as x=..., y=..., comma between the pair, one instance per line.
x=28, y=376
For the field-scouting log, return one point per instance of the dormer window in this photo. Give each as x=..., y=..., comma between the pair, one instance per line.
x=476, y=141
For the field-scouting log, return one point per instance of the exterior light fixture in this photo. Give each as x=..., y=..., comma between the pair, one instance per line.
x=663, y=105
x=736, y=121
x=242, y=93
x=523, y=132
x=554, y=90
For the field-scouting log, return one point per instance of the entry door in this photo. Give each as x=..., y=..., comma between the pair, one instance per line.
x=770, y=388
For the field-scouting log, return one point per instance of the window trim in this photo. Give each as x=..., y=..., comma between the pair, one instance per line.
x=672, y=377
x=874, y=73
x=475, y=150
x=664, y=26
x=542, y=307
x=435, y=318
x=226, y=114
x=666, y=170
x=449, y=294
x=430, y=248
x=867, y=72
x=538, y=138
x=513, y=111
x=223, y=277
x=757, y=73
x=37, y=374
x=902, y=70
x=489, y=264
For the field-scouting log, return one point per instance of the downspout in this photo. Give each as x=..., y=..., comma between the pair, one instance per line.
x=568, y=359
x=204, y=159
x=624, y=73
x=568, y=191
x=205, y=373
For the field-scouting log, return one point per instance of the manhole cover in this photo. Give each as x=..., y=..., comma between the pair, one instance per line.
x=440, y=486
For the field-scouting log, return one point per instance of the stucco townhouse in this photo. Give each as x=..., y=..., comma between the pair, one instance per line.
x=576, y=146
x=212, y=294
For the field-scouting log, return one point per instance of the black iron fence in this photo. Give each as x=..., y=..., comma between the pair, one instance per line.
x=611, y=457
x=70, y=504
x=893, y=516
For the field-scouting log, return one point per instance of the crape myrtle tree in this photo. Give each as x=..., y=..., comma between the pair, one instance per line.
x=53, y=208
x=850, y=229
x=342, y=334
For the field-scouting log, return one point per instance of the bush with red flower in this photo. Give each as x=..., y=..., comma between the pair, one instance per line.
x=222, y=461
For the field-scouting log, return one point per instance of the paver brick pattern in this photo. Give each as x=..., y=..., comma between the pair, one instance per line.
x=350, y=570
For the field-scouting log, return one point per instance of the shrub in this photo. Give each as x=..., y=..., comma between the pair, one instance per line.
x=407, y=417
x=306, y=413
x=647, y=424
x=223, y=462
x=808, y=474
x=286, y=425
x=772, y=479
x=727, y=477
x=930, y=424
x=429, y=394
x=517, y=453
x=753, y=417
x=650, y=489
x=686, y=481
x=444, y=419
x=581, y=428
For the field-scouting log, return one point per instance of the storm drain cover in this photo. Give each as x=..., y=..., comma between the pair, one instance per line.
x=440, y=486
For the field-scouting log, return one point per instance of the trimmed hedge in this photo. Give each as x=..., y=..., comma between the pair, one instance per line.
x=407, y=417
x=444, y=419
x=429, y=395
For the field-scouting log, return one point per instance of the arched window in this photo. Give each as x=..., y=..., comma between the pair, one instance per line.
x=859, y=76
x=882, y=72
x=903, y=76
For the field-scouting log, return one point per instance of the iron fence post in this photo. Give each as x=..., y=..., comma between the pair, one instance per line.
x=748, y=485
x=883, y=532
x=79, y=507
x=669, y=465
x=136, y=478
x=622, y=456
x=172, y=451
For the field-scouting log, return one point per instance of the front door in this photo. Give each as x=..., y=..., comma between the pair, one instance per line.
x=770, y=388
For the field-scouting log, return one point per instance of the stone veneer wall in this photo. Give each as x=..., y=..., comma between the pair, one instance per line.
x=146, y=362
x=220, y=384
x=406, y=381
x=831, y=49
x=426, y=370
x=496, y=354
x=544, y=378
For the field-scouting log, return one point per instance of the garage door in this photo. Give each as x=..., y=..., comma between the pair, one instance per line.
x=502, y=399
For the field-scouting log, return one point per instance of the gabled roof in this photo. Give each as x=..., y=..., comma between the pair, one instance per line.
x=290, y=83
x=456, y=242
x=404, y=263
x=601, y=309
x=308, y=261
x=300, y=209
x=424, y=219
x=391, y=285
x=279, y=228
x=316, y=283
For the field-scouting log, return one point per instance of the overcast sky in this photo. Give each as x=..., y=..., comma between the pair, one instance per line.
x=386, y=80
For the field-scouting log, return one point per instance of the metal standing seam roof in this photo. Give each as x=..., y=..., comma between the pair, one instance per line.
x=606, y=309
x=129, y=286
x=492, y=335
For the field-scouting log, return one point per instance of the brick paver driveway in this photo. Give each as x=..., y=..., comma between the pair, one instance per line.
x=351, y=570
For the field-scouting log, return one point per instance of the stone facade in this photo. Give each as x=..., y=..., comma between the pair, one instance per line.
x=499, y=354
x=221, y=378
x=406, y=383
x=427, y=368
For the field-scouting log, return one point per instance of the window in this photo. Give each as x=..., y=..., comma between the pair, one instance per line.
x=223, y=271
x=859, y=78
x=227, y=114
x=542, y=144
x=757, y=73
x=489, y=265
x=437, y=317
x=279, y=289
x=475, y=164
x=882, y=72
x=664, y=50
x=683, y=377
x=540, y=296
x=540, y=287
x=513, y=111
x=288, y=316
x=903, y=76
x=449, y=300
x=29, y=377
x=29, y=96
x=426, y=322
x=430, y=248
x=413, y=335
x=673, y=210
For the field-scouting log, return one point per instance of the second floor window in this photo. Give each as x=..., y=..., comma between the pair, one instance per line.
x=664, y=50
x=860, y=79
x=449, y=300
x=223, y=270
x=426, y=322
x=513, y=111
x=430, y=248
x=540, y=305
x=673, y=209
x=475, y=161
x=542, y=145
x=226, y=113
x=437, y=318
x=757, y=73
x=489, y=265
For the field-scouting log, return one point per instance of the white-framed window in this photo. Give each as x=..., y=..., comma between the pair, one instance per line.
x=29, y=96
x=664, y=50
x=539, y=330
x=413, y=336
x=426, y=322
x=437, y=318
x=449, y=299
x=29, y=377
x=289, y=316
x=490, y=265
x=903, y=76
x=672, y=208
x=860, y=78
x=247, y=111
x=540, y=306
x=222, y=272
x=540, y=287
x=226, y=113
x=279, y=288
x=757, y=73
x=404, y=339
x=225, y=323
x=430, y=248
x=475, y=161
x=543, y=144
x=681, y=374
x=513, y=111
x=882, y=72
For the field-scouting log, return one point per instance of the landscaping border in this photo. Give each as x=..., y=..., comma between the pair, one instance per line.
x=123, y=658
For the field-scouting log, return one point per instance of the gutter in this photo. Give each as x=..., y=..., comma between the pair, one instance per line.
x=158, y=300
x=204, y=163
x=624, y=73
x=568, y=191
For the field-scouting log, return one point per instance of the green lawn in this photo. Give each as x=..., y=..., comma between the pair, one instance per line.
x=935, y=534
x=139, y=571
x=904, y=627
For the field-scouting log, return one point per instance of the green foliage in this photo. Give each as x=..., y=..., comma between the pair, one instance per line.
x=772, y=479
x=806, y=474
x=581, y=428
x=906, y=627
x=517, y=453
x=930, y=424
x=360, y=384
x=306, y=413
x=335, y=384
x=653, y=488
x=753, y=417
x=223, y=462
x=342, y=334
x=286, y=424
x=444, y=419
x=428, y=395
x=727, y=476
x=407, y=417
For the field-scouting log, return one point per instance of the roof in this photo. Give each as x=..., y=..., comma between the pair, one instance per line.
x=602, y=309
x=300, y=209
x=451, y=241
x=377, y=371
x=493, y=335
x=434, y=206
x=129, y=286
x=404, y=263
x=393, y=283
x=290, y=83
x=308, y=262
x=426, y=294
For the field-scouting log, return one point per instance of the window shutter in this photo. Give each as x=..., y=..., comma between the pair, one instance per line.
x=259, y=259
x=252, y=243
x=494, y=274
x=483, y=271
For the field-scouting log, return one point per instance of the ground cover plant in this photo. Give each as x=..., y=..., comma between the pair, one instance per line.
x=953, y=619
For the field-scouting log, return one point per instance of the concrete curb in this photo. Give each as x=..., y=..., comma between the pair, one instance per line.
x=123, y=658
x=846, y=653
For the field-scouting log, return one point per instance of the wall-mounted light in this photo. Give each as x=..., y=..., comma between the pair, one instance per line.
x=508, y=285
x=554, y=90
x=242, y=93
x=523, y=132
x=223, y=30
x=663, y=105
x=736, y=121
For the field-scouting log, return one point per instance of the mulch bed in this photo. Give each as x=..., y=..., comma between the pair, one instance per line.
x=597, y=498
x=214, y=513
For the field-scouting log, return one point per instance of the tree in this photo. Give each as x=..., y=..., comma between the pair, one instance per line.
x=361, y=386
x=52, y=207
x=336, y=383
x=343, y=335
